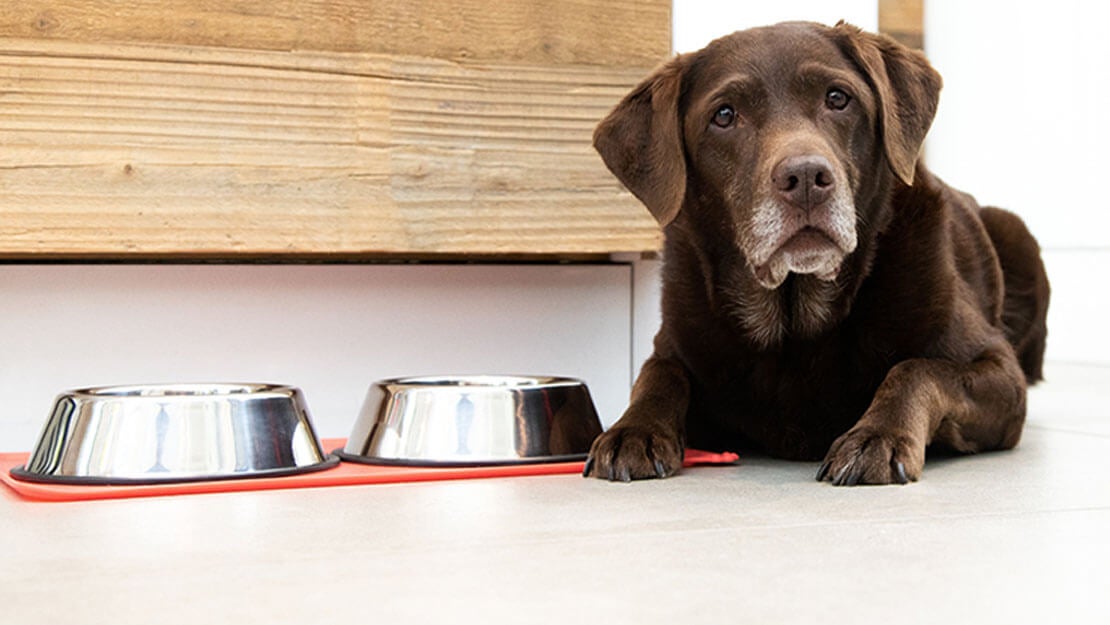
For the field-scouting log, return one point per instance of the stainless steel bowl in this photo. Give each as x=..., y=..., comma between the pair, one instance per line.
x=473, y=420
x=175, y=433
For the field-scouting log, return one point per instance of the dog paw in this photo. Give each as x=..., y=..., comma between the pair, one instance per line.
x=865, y=455
x=626, y=453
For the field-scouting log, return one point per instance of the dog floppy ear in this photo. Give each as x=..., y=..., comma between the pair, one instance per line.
x=907, y=87
x=641, y=142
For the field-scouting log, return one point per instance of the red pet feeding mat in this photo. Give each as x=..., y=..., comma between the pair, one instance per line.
x=344, y=474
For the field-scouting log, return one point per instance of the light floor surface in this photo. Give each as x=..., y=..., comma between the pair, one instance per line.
x=1013, y=537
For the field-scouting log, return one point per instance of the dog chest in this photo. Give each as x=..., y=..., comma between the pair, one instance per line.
x=791, y=402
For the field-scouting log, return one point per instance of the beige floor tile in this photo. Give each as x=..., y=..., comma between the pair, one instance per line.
x=1013, y=537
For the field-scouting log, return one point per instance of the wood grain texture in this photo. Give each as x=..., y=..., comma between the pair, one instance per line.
x=904, y=21
x=622, y=33
x=138, y=150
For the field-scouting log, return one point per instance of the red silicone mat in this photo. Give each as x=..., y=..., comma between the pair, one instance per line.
x=345, y=474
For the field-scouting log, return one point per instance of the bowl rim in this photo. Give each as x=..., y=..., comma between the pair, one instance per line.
x=481, y=381
x=182, y=391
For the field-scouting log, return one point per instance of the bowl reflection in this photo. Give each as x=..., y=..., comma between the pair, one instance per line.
x=174, y=433
x=473, y=420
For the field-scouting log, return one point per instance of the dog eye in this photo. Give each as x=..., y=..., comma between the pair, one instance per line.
x=724, y=117
x=837, y=99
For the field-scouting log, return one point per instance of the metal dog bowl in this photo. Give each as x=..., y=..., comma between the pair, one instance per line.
x=175, y=433
x=473, y=421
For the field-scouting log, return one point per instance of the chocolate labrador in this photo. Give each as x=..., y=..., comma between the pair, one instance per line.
x=824, y=295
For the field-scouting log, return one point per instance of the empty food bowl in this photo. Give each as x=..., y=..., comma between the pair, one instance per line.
x=473, y=421
x=175, y=433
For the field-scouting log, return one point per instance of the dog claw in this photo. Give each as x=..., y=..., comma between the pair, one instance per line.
x=848, y=476
x=900, y=469
x=626, y=475
x=823, y=471
x=589, y=467
x=660, y=470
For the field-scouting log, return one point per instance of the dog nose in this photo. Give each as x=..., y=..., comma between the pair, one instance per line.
x=804, y=181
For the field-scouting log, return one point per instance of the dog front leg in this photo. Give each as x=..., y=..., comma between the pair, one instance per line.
x=647, y=441
x=970, y=407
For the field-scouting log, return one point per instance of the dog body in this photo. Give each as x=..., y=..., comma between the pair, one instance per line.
x=824, y=295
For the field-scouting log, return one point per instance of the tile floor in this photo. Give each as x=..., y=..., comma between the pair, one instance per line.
x=1015, y=537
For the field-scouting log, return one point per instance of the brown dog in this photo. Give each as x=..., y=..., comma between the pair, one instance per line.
x=824, y=295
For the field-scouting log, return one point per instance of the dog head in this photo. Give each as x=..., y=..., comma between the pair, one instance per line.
x=787, y=131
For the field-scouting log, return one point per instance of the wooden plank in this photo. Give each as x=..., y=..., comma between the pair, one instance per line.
x=129, y=150
x=624, y=33
x=904, y=21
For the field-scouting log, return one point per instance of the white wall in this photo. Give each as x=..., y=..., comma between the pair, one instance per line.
x=1023, y=124
x=331, y=330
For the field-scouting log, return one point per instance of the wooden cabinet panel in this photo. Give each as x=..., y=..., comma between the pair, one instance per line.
x=592, y=32
x=180, y=148
x=903, y=20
